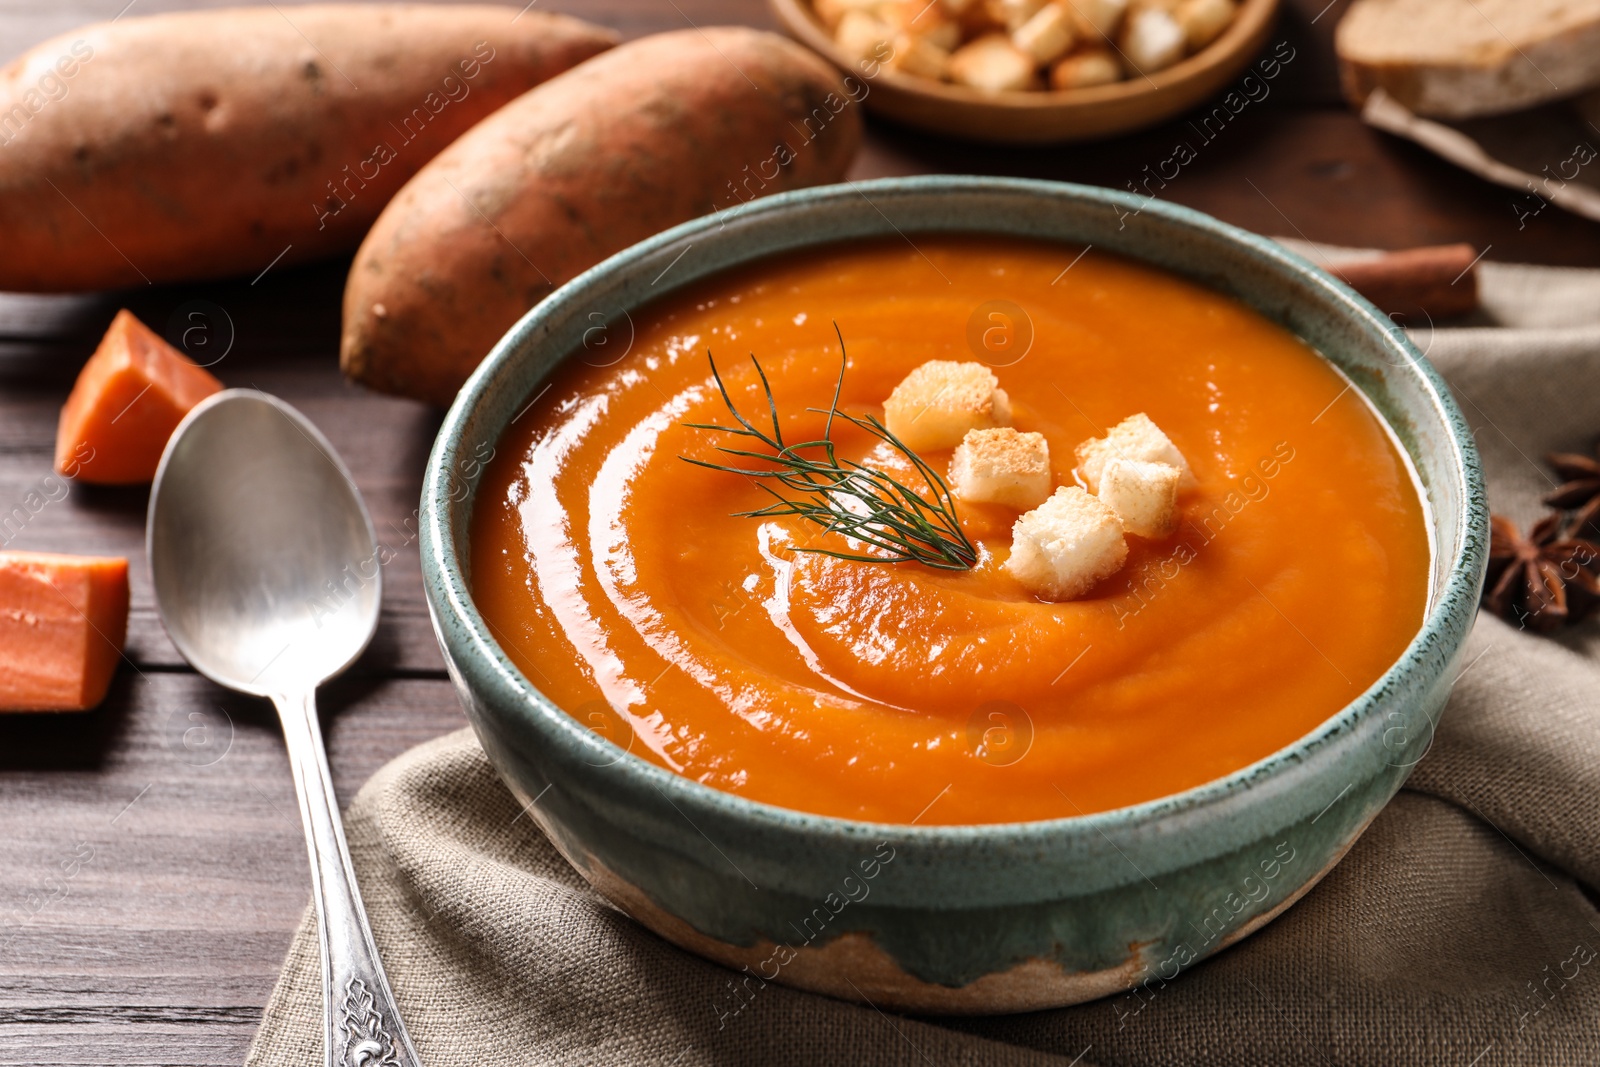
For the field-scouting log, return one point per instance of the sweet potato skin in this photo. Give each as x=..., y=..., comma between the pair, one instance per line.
x=650, y=134
x=204, y=144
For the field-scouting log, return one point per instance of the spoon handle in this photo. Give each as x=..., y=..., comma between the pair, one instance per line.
x=362, y=1026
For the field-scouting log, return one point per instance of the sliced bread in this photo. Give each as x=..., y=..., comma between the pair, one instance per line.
x=1461, y=58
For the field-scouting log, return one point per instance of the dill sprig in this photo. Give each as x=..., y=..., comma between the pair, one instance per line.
x=841, y=495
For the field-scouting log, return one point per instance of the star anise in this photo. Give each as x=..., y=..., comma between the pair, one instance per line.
x=1544, y=580
x=1579, y=489
x=1586, y=520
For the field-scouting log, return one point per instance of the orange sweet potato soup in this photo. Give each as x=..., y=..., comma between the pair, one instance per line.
x=622, y=582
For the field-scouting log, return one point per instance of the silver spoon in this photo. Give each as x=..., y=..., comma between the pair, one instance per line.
x=267, y=577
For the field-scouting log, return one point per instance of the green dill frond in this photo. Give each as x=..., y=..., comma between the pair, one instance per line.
x=806, y=479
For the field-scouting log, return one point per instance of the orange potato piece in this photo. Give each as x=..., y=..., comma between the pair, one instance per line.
x=62, y=623
x=128, y=399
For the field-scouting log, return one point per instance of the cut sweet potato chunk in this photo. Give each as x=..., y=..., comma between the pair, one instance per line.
x=128, y=399
x=62, y=623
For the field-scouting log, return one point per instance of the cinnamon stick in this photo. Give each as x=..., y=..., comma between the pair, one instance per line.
x=1418, y=284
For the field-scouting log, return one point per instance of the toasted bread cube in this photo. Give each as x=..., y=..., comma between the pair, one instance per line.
x=945, y=36
x=936, y=404
x=1135, y=437
x=1047, y=36
x=831, y=12
x=1152, y=40
x=955, y=7
x=1203, y=21
x=1061, y=548
x=979, y=18
x=921, y=20
x=1002, y=466
x=863, y=36
x=993, y=64
x=919, y=56
x=1098, y=18
x=1013, y=13
x=1144, y=494
x=1086, y=69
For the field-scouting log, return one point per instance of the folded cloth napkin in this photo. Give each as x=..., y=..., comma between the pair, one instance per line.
x=1456, y=931
x=1544, y=153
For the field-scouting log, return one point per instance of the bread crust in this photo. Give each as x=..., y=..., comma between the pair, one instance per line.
x=1460, y=59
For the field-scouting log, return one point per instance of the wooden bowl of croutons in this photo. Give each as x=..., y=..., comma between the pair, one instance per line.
x=1034, y=71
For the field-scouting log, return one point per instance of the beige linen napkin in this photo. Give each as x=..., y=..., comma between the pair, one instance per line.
x=1455, y=932
x=1547, y=153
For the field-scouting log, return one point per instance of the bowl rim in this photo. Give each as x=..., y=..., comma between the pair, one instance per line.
x=447, y=590
x=800, y=19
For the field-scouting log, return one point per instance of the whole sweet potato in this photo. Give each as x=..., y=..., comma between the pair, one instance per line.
x=650, y=134
x=208, y=143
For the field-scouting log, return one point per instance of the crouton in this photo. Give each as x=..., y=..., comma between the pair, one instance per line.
x=863, y=36
x=955, y=7
x=1047, y=36
x=977, y=19
x=1098, y=18
x=945, y=36
x=1144, y=494
x=993, y=64
x=919, y=56
x=1083, y=70
x=1203, y=20
x=1152, y=40
x=1013, y=13
x=922, y=21
x=941, y=400
x=1135, y=437
x=1061, y=548
x=1002, y=466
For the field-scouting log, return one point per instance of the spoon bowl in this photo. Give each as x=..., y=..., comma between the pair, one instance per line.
x=267, y=577
x=264, y=558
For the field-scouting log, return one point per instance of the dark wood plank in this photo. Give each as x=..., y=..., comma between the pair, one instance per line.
x=1284, y=170
x=154, y=865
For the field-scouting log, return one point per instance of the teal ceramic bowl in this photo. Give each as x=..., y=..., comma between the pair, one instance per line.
x=993, y=918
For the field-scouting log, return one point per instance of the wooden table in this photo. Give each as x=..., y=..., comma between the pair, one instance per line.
x=150, y=852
